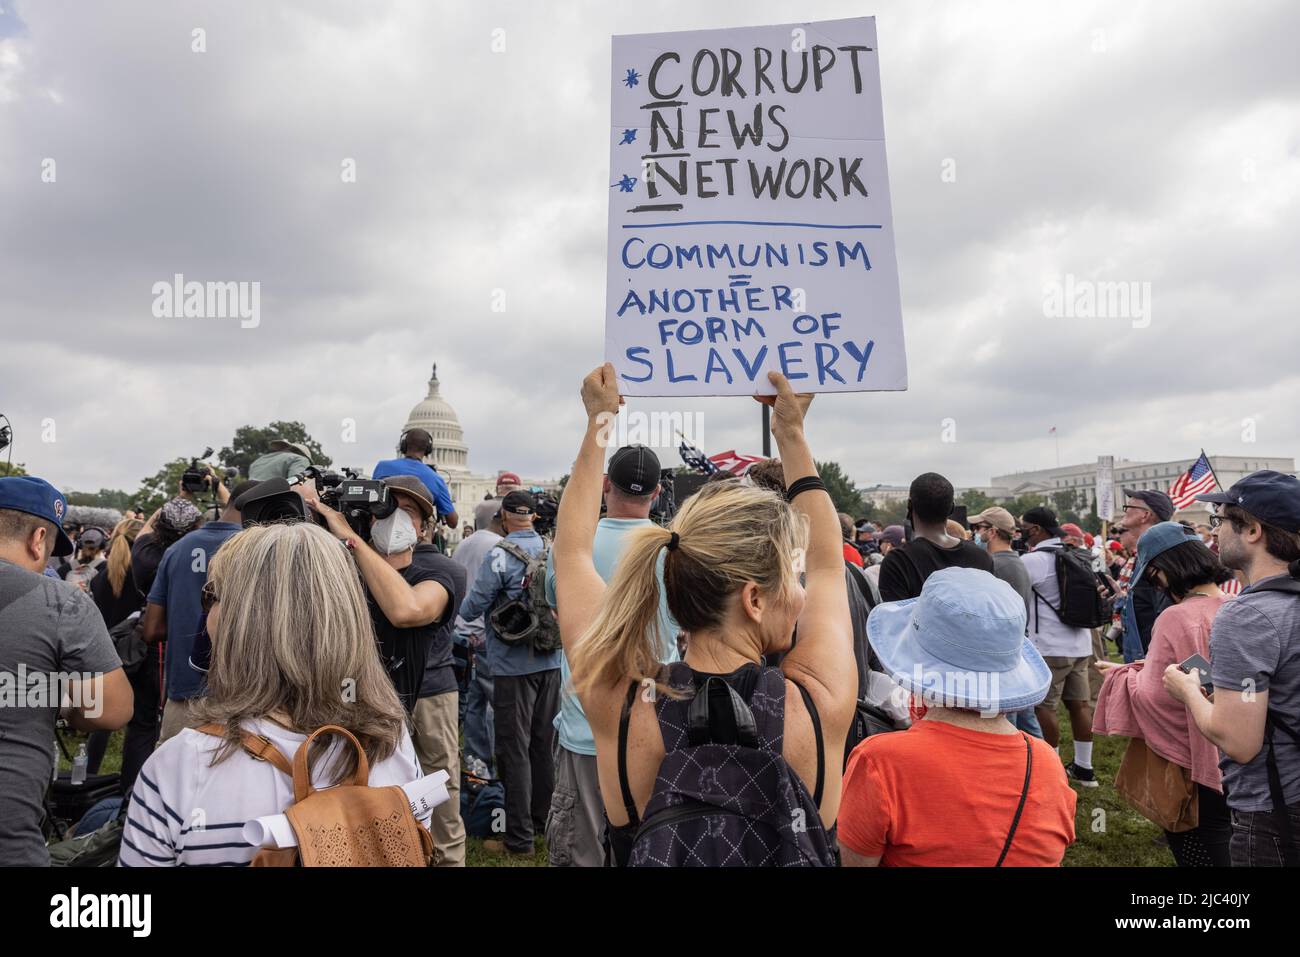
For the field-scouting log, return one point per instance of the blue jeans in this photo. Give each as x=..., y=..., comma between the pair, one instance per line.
x=478, y=711
x=1026, y=721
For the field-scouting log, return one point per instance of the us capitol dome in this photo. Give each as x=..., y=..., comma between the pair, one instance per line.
x=450, y=455
x=436, y=416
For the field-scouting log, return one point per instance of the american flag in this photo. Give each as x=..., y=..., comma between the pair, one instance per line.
x=1197, y=480
x=737, y=463
x=696, y=459
x=1231, y=588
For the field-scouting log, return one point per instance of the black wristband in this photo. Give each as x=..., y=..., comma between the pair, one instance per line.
x=803, y=485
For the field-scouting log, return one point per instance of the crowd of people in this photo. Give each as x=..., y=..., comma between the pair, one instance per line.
x=761, y=680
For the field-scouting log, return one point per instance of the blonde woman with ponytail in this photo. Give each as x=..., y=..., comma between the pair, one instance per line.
x=113, y=588
x=732, y=573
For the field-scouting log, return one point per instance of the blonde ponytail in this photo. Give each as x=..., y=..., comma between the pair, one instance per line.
x=624, y=643
x=119, y=552
x=727, y=534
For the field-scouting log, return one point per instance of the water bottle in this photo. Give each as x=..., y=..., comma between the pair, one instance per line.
x=79, y=765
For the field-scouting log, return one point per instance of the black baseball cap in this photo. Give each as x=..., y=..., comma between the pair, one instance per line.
x=634, y=469
x=519, y=502
x=1272, y=497
x=1159, y=503
x=1043, y=517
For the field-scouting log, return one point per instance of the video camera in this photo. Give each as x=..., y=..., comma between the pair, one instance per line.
x=547, y=509
x=197, y=477
x=357, y=499
x=664, y=509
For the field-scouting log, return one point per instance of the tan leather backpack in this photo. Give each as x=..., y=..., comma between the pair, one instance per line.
x=349, y=825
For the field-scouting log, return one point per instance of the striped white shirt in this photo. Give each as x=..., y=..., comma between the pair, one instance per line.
x=186, y=813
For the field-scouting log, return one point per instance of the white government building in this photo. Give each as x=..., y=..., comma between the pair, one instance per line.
x=450, y=455
x=1082, y=479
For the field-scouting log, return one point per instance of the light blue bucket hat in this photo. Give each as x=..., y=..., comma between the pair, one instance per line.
x=961, y=644
x=1155, y=540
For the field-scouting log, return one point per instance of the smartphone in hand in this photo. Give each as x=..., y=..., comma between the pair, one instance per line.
x=1197, y=665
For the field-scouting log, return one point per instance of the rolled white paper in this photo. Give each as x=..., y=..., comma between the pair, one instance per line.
x=275, y=831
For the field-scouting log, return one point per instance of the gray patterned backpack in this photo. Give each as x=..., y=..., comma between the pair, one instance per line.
x=725, y=796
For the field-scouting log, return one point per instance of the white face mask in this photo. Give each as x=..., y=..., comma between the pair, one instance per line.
x=393, y=534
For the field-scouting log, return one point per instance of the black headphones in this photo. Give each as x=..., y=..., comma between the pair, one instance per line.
x=401, y=443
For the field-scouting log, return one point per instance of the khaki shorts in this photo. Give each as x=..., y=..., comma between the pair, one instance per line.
x=1069, y=680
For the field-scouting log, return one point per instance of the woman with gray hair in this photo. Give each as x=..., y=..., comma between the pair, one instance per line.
x=293, y=649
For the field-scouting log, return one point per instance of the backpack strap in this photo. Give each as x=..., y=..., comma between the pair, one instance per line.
x=623, y=720
x=860, y=579
x=258, y=746
x=1020, y=808
x=697, y=714
x=301, y=778
x=513, y=549
x=1281, y=816
x=1038, y=596
x=817, y=735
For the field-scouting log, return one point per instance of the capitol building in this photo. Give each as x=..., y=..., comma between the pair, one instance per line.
x=450, y=455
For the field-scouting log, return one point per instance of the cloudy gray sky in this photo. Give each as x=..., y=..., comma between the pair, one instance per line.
x=1149, y=143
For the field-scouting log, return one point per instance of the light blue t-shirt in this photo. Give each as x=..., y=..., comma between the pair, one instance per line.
x=606, y=547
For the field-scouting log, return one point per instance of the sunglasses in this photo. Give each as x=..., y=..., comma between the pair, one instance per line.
x=208, y=597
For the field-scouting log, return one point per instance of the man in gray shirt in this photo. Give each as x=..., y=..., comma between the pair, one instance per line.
x=1255, y=670
x=993, y=529
x=53, y=645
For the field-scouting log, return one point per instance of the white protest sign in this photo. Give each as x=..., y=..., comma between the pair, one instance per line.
x=749, y=219
x=1106, y=487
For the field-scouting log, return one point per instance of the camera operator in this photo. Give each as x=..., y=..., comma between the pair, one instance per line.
x=168, y=523
x=413, y=593
x=285, y=459
x=413, y=446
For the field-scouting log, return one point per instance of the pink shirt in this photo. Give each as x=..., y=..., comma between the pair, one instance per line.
x=1134, y=703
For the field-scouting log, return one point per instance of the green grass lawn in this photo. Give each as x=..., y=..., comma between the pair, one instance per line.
x=1107, y=832
x=112, y=762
